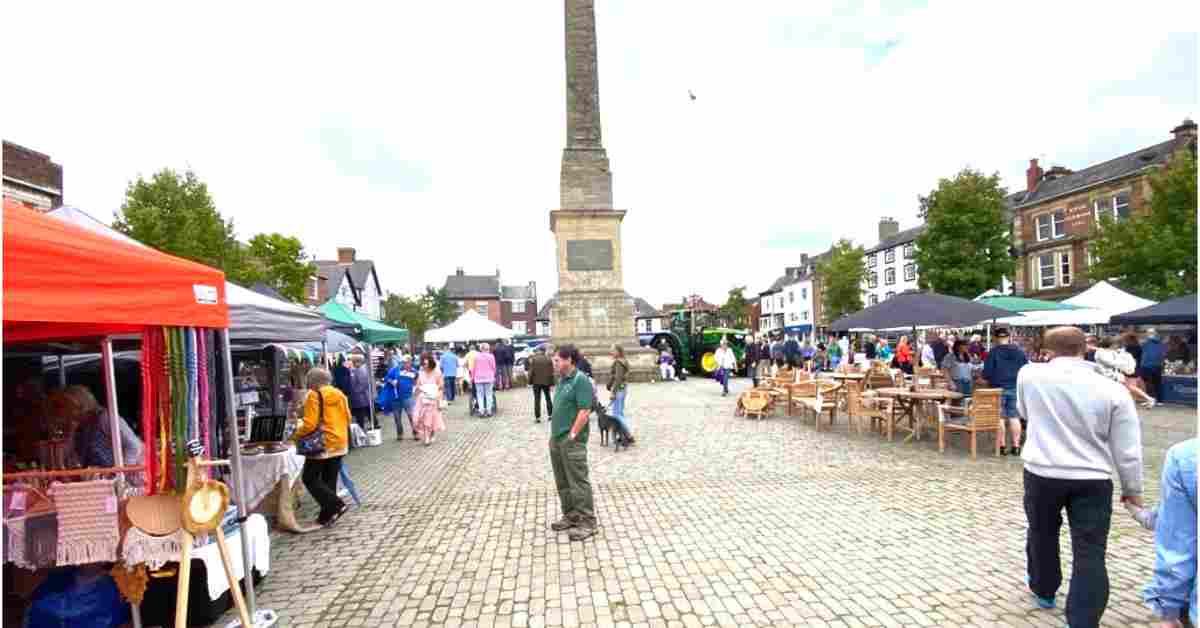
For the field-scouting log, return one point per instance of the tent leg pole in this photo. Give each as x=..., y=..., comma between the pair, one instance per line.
x=239, y=489
x=371, y=379
x=62, y=373
x=110, y=398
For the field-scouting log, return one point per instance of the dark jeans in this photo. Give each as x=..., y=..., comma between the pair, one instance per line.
x=540, y=391
x=362, y=416
x=449, y=387
x=320, y=477
x=1089, y=514
x=723, y=377
x=1152, y=375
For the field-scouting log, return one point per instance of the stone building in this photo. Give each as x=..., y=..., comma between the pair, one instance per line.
x=1057, y=212
x=31, y=178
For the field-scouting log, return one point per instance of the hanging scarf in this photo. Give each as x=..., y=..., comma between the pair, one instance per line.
x=163, y=394
x=179, y=419
x=147, y=408
x=202, y=379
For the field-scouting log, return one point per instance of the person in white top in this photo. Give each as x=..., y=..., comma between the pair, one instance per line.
x=726, y=365
x=1082, y=427
x=1115, y=363
x=928, y=359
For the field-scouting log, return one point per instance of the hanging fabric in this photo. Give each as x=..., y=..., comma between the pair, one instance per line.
x=149, y=408
x=87, y=522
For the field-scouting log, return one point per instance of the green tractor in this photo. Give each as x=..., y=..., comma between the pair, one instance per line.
x=694, y=342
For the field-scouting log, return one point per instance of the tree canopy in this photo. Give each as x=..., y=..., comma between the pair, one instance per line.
x=733, y=312
x=1154, y=253
x=437, y=304
x=841, y=275
x=174, y=213
x=964, y=250
x=408, y=313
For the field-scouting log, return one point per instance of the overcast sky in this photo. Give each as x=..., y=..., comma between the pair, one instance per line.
x=428, y=134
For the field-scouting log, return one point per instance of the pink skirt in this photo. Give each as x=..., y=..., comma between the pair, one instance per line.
x=429, y=418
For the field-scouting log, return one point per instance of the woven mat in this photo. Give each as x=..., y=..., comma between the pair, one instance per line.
x=87, y=522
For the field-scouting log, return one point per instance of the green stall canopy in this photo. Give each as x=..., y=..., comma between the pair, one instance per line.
x=365, y=328
x=1021, y=304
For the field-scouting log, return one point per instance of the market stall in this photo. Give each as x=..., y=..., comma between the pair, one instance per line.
x=470, y=327
x=68, y=289
x=369, y=330
x=1176, y=323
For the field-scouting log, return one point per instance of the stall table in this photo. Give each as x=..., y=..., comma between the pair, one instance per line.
x=908, y=400
x=1179, y=389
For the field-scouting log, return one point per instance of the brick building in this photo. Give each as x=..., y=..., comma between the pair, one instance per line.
x=1056, y=214
x=31, y=178
x=514, y=307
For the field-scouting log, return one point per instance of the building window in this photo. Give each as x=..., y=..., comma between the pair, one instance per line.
x=459, y=306
x=888, y=296
x=910, y=272
x=781, y=303
x=313, y=292
x=804, y=315
x=889, y=276
x=518, y=307
x=1052, y=225
x=793, y=317
x=1115, y=206
x=871, y=260
x=872, y=280
x=1064, y=268
x=909, y=250
x=791, y=296
x=1046, y=271
x=889, y=256
x=518, y=327
x=804, y=293
x=872, y=299
x=482, y=308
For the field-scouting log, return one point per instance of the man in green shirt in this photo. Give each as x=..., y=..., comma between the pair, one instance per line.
x=568, y=445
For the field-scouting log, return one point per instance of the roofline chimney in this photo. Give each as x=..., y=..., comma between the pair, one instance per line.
x=1033, y=175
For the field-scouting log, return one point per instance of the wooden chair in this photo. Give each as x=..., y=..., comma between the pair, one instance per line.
x=756, y=403
x=924, y=377
x=982, y=412
x=816, y=396
x=879, y=379
x=861, y=408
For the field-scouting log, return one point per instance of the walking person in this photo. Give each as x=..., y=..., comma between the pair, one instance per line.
x=403, y=381
x=1082, y=427
x=1000, y=370
x=464, y=376
x=429, y=395
x=763, y=365
x=541, y=379
x=1154, y=352
x=1172, y=589
x=1115, y=363
x=328, y=410
x=619, y=389
x=752, y=353
x=726, y=365
x=504, y=360
x=573, y=397
x=448, y=365
x=483, y=373
x=904, y=356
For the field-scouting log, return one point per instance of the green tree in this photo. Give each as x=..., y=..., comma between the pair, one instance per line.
x=841, y=274
x=280, y=262
x=174, y=213
x=734, y=310
x=1154, y=253
x=964, y=250
x=407, y=312
x=437, y=304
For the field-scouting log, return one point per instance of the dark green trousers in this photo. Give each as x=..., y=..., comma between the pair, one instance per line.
x=570, y=463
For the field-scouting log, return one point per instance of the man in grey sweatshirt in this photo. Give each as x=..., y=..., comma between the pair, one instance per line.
x=1082, y=427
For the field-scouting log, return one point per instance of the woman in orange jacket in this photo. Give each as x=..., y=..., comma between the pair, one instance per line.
x=321, y=470
x=904, y=355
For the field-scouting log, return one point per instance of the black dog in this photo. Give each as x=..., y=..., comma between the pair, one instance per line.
x=608, y=424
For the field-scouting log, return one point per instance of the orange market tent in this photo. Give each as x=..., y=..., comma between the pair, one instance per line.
x=62, y=281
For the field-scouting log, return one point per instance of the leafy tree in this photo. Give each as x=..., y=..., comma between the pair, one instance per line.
x=1153, y=254
x=280, y=262
x=409, y=313
x=842, y=274
x=174, y=213
x=964, y=250
x=734, y=310
x=437, y=303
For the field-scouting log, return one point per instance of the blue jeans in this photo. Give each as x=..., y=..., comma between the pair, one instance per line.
x=449, y=388
x=485, y=397
x=1008, y=403
x=723, y=377
x=964, y=387
x=616, y=409
x=399, y=408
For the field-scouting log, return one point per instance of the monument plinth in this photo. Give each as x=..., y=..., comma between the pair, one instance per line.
x=591, y=310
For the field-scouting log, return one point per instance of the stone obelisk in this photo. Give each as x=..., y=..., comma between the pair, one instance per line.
x=591, y=310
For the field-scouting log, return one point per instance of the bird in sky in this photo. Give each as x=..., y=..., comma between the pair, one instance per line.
x=691, y=95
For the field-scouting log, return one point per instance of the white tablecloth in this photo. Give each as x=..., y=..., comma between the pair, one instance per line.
x=260, y=555
x=262, y=472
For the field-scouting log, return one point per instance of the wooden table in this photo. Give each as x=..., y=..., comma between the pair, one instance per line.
x=908, y=400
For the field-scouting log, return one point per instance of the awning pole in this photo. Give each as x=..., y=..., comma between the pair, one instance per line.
x=239, y=489
x=371, y=379
x=110, y=398
x=62, y=373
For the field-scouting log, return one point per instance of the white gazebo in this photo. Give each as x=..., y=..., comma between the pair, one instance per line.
x=470, y=327
x=1108, y=298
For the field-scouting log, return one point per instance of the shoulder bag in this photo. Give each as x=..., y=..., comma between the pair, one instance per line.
x=313, y=443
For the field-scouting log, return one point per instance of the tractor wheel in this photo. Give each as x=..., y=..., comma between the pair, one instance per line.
x=708, y=362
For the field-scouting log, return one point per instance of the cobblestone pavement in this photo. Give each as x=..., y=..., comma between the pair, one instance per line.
x=709, y=520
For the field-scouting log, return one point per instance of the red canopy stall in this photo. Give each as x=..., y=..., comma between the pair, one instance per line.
x=66, y=283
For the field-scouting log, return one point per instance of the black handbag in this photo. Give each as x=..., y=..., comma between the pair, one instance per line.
x=313, y=443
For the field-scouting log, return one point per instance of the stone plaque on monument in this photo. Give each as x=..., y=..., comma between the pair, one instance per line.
x=589, y=255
